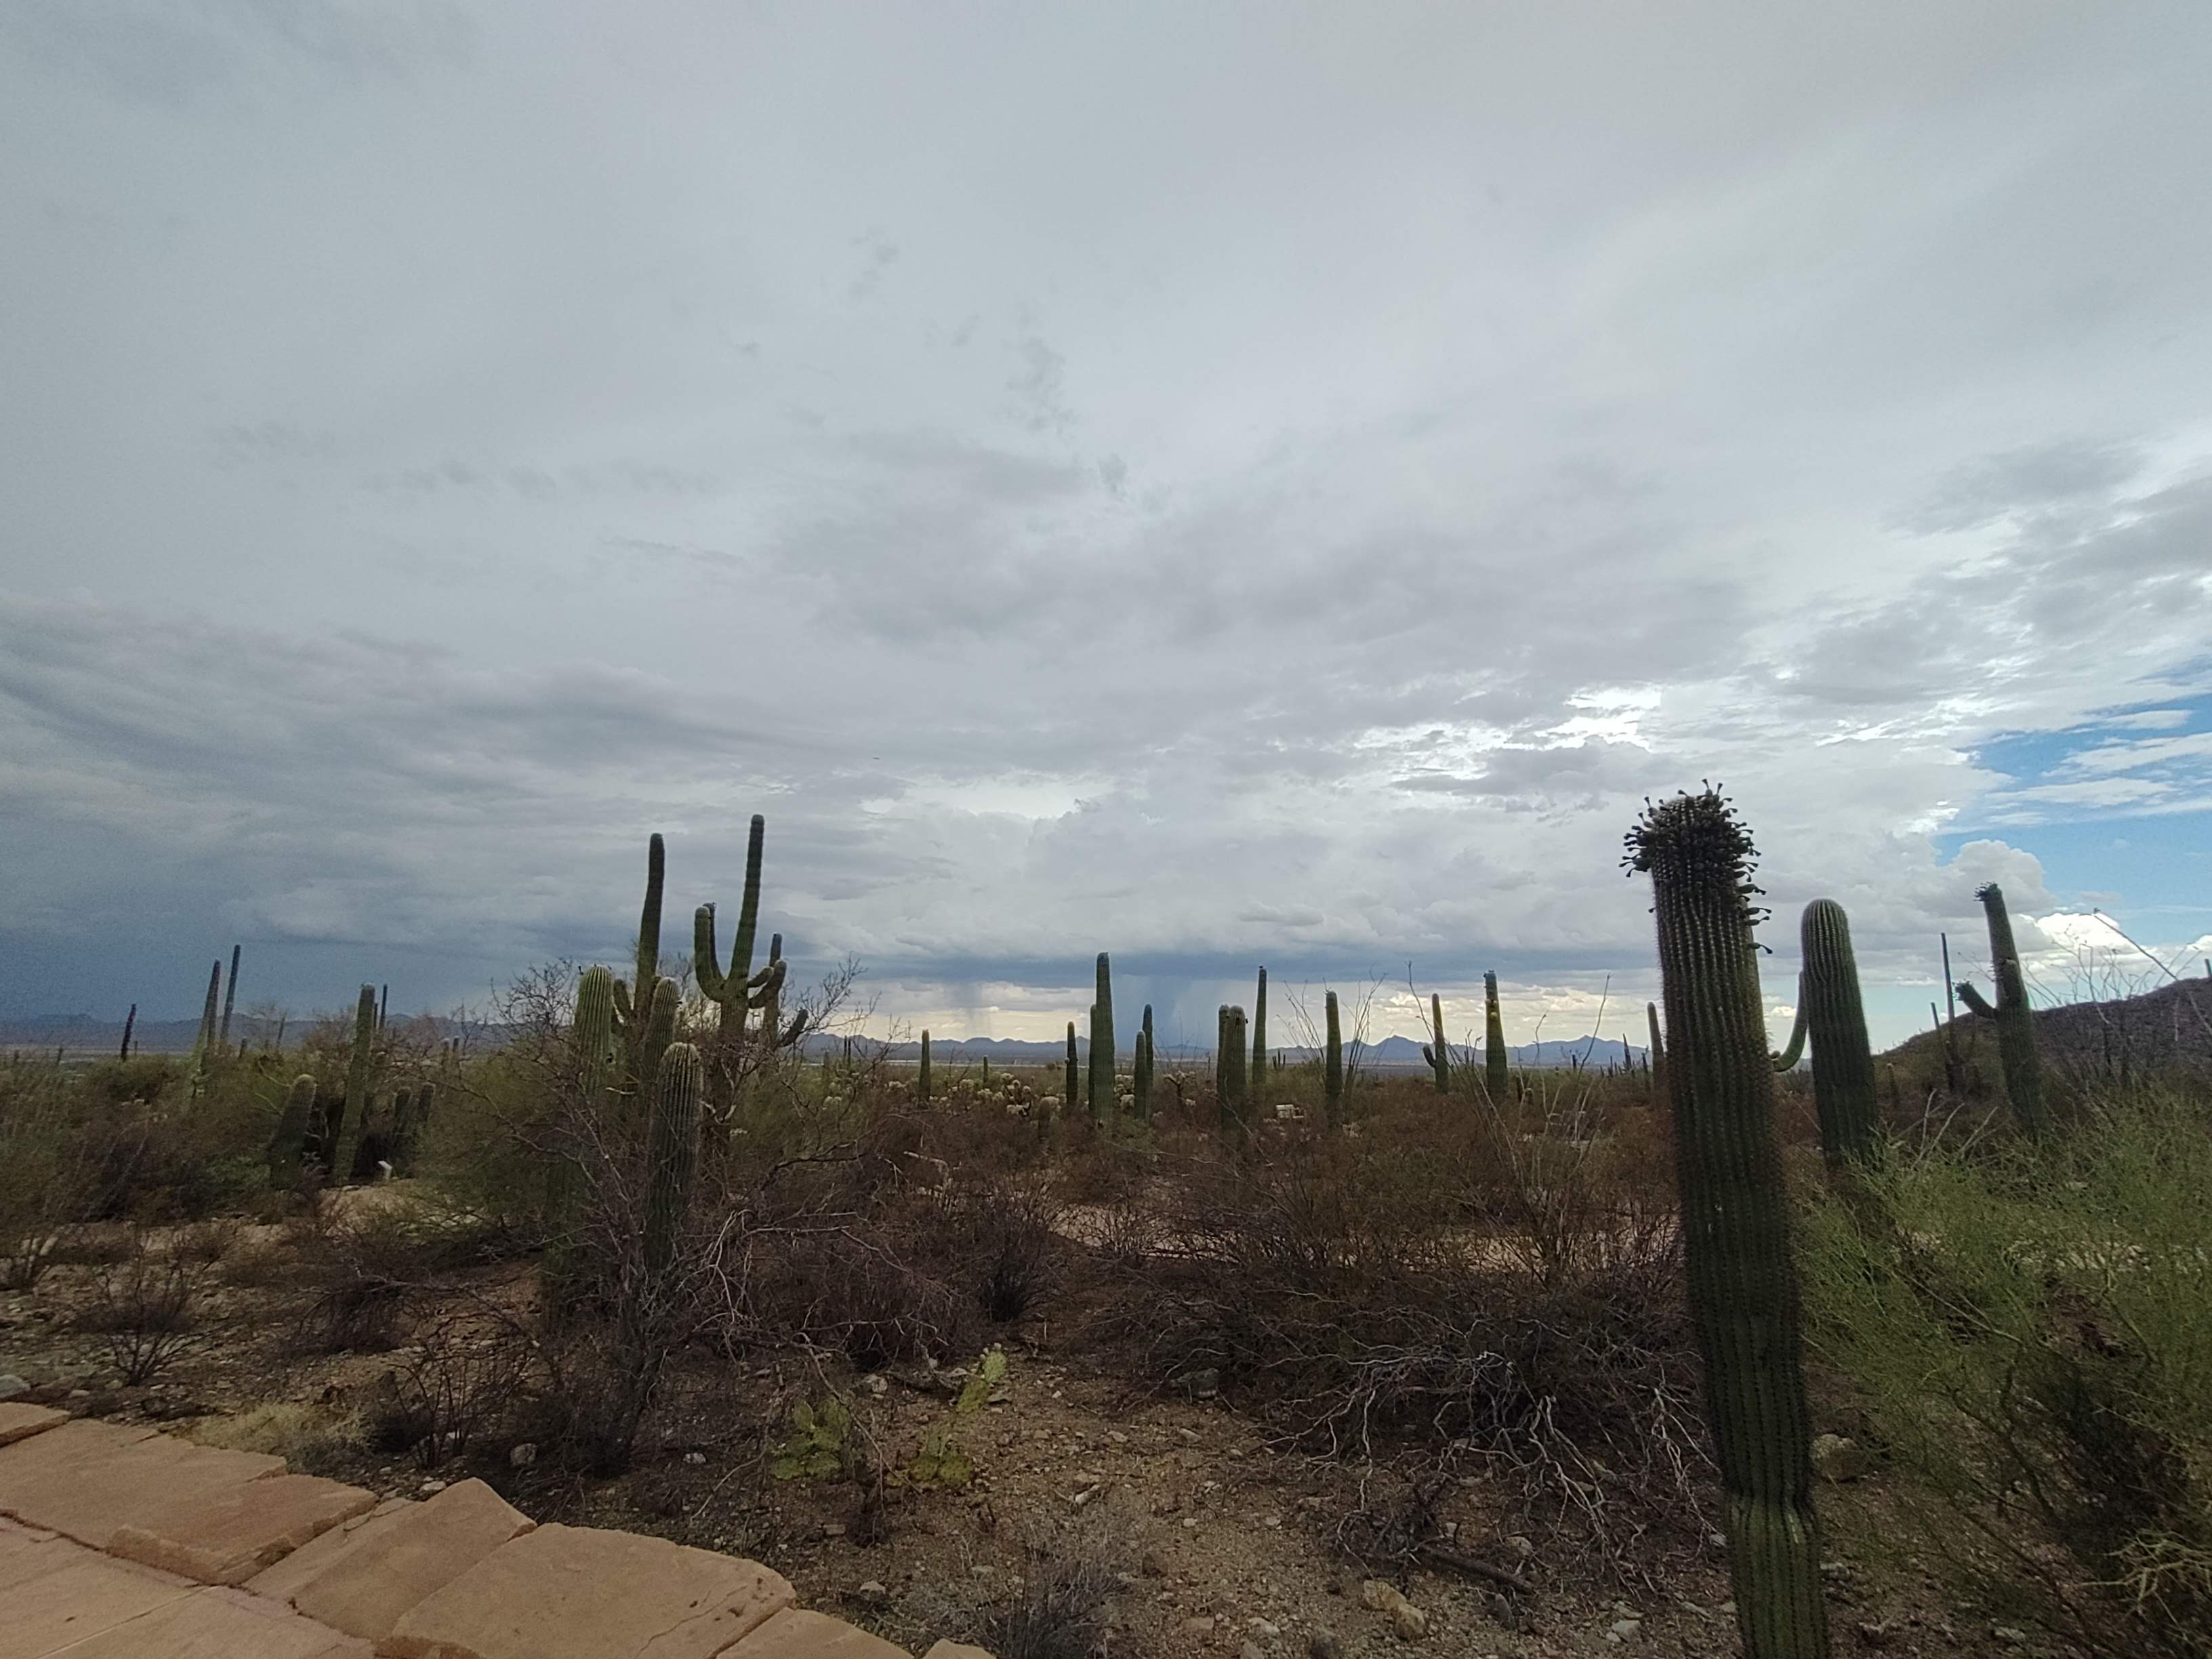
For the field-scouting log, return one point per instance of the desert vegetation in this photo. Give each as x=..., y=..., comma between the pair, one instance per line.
x=1279, y=1350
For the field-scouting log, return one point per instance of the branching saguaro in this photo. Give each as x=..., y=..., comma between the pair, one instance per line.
x=1743, y=1279
x=2014, y=1018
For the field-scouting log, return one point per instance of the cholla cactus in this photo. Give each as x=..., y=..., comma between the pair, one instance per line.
x=1735, y=1222
x=2013, y=1017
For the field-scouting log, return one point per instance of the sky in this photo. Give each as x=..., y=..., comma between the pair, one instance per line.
x=1218, y=484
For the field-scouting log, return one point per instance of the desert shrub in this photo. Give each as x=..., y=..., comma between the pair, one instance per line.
x=1000, y=1239
x=147, y=1304
x=306, y=1436
x=1063, y=1608
x=2024, y=1330
x=50, y=1168
x=363, y=1270
x=461, y=1373
x=1360, y=1295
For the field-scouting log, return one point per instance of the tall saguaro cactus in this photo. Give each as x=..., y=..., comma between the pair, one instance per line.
x=1260, y=1035
x=1434, y=1051
x=671, y=1157
x=1654, y=1057
x=204, y=1045
x=1071, y=1069
x=635, y=1001
x=1141, y=1078
x=1493, y=1040
x=129, y=1022
x=1102, y=1044
x=1835, y=1017
x=2014, y=1018
x=921, y=1078
x=1221, y=1052
x=1332, y=1065
x=360, y=1067
x=1743, y=1280
x=1234, y=1080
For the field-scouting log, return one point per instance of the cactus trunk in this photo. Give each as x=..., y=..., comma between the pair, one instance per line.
x=1141, y=1081
x=1331, y=1066
x=921, y=1078
x=1743, y=1284
x=353, y=1122
x=1434, y=1051
x=229, y=998
x=2013, y=1018
x=129, y=1022
x=1071, y=1069
x=1234, y=1080
x=1834, y=1016
x=1102, y=1045
x=1493, y=1040
x=1260, y=1036
x=203, y=1044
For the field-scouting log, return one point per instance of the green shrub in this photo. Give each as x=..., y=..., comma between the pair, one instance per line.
x=2026, y=1335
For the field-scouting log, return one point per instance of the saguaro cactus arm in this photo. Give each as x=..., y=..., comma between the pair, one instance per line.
x=1794, y=1050
x=1434, y=1051
x=1975, y=1004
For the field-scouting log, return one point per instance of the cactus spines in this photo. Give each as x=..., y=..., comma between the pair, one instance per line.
x=353, y=1122
x=671, y=1154
x=1794, y=1050
x=921, y=1081
x=285, y=1146
x=1234, y=1080
x=1102, y=1044
x=1260, y=1035
x=1654, y=1057
x=1331, y=1066
x=1743, y=1281
x=1829, y=1004
x=1071, y=1069
x=1493, y=1040
x=130, y=1020
x=1433, y=1051
x=2015, y=1020
x=229, y=998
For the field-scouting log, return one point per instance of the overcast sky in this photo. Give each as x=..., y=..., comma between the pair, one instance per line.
x=1218, y=484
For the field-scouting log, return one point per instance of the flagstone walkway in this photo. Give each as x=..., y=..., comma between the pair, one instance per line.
x=126, y=1543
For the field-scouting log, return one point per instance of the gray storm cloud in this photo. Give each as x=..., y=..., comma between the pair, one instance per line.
x=1280, y=485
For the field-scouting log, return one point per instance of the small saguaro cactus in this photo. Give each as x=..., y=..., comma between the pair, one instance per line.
x=1260, y=1036
x=1654, y=1057
x=769, y=999
x=2015, y=1019
x=672, y=1155
x=1736, y=1219
x=1434, y=1051
x=1140, y=1076
x=1493, y=1040
x=1234, y=1080
x=1829, y=1005
x=922, y=1077
x=360, y=1068
x=130, y=1021
x=1102, y=1044
x=1071, y=1068
x=286, y=1145
x=1331, y=1066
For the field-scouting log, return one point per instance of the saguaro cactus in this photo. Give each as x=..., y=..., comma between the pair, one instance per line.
x=229, y=998
x=1493, y=1040
x=1843, y=1063
x=634, y=998
x=1102, y=1045
x=921, y=1078
x=1071, y=1067
x=1434, y=1051
x=1234, y=1080
x=291, y=1135
x=2015, y=1020
x=1794, y=1050
x=360, y=1068
x=203, y=1044
x=672, y=1155
x=1743, y=1281
x=732, y=991
x=1221, y=1052
x=129, y=1022
x=1260, y=1036
x=1331, y=1066
x=1654, y=1057
x=1140, y=1072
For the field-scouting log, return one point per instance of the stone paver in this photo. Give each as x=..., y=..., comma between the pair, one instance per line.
x=88, y=1480
x=579, y=1593
x=19, y=1422
x=58, y=1594
x=280, y=1581
x=218, y=1624
x=227, y=1535
x=407, y=1555
x=795, y=1633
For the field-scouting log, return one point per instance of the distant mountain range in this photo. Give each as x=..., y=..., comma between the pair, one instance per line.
x=80, y=1035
